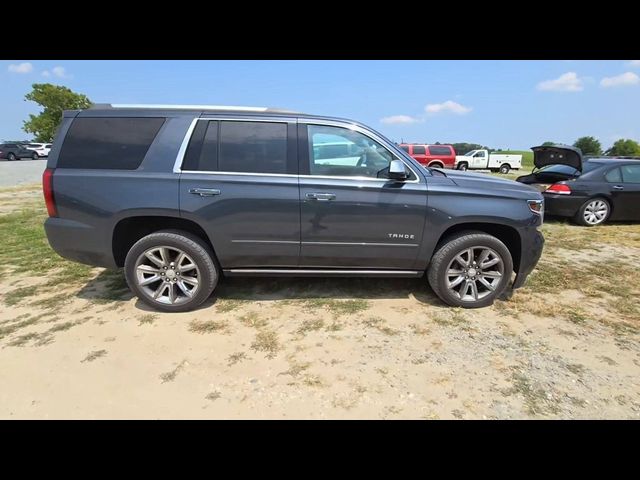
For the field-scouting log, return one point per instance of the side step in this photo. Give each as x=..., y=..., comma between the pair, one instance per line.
x=314, y=272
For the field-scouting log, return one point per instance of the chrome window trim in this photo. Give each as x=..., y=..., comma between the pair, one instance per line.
x=307, y=121
x=183, y=146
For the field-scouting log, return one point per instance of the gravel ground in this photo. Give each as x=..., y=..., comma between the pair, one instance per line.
x=21, y=172
x=565, y=346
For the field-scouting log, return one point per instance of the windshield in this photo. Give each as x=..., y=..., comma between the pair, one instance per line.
x=470, y=154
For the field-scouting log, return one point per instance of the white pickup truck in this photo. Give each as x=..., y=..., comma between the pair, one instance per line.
x=482, y=160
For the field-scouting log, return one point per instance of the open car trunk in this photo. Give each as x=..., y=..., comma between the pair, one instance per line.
x=557, y=155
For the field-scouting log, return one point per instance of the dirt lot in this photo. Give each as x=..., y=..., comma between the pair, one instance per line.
x=74, y=343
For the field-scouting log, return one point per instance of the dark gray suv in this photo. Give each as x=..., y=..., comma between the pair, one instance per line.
x=180, y=195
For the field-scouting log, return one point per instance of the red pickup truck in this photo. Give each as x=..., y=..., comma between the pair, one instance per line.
x=438, y=156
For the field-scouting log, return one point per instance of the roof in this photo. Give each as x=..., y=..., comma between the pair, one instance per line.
x=213, y=108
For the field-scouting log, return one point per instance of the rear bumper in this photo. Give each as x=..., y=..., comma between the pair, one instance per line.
x=532, y=245
x=79, y=242
x=562, y=205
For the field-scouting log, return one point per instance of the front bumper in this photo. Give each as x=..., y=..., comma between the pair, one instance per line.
x=531, y=251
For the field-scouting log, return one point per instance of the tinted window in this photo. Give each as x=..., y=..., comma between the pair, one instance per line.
x=630, y=173
x=435, y=150
x=405, y=148
x=48, y=145
x=108, y=142
x=258, y=147
x=614, y=176
x=336, y=151
x=419, y=150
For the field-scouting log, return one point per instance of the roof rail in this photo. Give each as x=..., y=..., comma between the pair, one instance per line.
x=225, y=108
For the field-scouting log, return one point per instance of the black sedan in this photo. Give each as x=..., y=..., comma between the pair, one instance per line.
x=590, y=191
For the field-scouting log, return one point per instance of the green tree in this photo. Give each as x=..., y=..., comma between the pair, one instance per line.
x=588, y=146
x=548, y=144
x=624, y=147
x=54, y=99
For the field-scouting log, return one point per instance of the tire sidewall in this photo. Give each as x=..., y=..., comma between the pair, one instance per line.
x=11, y=157
x=580, y=216
x=504, y=170
x=209, y=274
x=463, y=167
x=462, y=242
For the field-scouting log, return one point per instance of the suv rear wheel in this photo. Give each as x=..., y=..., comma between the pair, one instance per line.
x=470, y=270
x=171, y=270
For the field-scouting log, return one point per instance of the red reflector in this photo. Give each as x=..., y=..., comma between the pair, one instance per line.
x=559, y=188
x=47, y=189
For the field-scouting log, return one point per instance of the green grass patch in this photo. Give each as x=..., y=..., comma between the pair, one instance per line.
x=25, y=248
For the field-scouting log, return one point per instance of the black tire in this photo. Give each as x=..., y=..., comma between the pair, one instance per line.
x=463, y=166
x=581, y=219
x=11, y=157
x=193, y=246
x=453, y=246
x=504, y=168
x=35, y=156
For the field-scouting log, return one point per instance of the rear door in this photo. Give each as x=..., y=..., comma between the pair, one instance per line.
x=239, y=180
x=352, y=216
x=628, y=193
x=419, y=152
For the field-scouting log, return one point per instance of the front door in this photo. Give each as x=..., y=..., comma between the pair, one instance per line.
x=239, y=181
x=479, y=160
x=352, y=216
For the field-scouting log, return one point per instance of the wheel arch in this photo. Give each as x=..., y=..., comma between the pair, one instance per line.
x=505, y=233
x=129, y=230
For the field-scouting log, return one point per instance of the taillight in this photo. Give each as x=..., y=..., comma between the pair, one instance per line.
x=47, y=189
x=559, y=189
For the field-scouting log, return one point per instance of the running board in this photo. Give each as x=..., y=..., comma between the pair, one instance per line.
x=306, y=272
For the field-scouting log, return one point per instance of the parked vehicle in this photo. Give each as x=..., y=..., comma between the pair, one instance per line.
x=15, y=151
x=180, y=196
x=483, y=160
x=434, y=156
x=42, y=149
x=591, y=191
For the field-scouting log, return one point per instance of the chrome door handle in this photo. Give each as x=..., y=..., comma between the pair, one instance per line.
x=323, y=197
x=618, y=187
x=205, y=192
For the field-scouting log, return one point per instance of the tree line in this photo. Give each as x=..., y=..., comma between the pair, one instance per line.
x=56, y=98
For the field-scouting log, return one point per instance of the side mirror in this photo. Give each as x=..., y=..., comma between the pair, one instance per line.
x=397, y=170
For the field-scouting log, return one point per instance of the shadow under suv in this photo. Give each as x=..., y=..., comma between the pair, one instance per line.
x=180, y=195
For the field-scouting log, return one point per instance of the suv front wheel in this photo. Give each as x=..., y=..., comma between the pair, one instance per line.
x=470, y=270
x=171, y=270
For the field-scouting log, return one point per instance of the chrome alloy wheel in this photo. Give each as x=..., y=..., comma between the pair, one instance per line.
x=595, y=212
x=167, y=275
x=474, y=273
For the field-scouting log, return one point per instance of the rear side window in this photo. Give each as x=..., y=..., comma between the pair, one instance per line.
x=419, y=150
x=630, y=173
x=440, y=150
x=118, y=143
x=252, y=147
x=613, y=176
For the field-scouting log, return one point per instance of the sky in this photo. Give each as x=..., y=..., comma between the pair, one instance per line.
x=504, y=104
